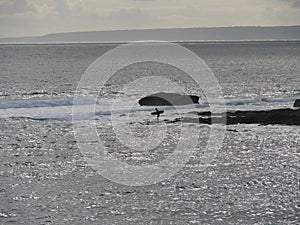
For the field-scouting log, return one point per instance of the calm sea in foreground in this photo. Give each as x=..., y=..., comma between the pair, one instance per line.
x=44, y=179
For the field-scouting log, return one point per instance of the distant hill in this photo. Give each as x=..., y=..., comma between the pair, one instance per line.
x=180, y=34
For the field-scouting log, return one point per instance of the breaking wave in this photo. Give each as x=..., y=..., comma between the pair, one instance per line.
x=61, y=109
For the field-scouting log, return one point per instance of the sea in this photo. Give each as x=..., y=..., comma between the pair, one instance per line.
x=48, y=177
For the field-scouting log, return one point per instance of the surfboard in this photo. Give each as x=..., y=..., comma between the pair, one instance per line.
x=157, y=112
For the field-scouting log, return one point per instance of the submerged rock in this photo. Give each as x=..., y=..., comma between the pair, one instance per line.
x=276, y=116
x=168, y=99
x=297, y=103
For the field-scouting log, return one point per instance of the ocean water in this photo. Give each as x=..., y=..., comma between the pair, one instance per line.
x=45, y=178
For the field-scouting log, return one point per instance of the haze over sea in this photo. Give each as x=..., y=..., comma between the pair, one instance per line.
x=45, y=179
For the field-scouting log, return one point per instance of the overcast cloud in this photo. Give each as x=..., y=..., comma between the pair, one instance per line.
x=35, y=17
x=18, y=6
x=293, y=3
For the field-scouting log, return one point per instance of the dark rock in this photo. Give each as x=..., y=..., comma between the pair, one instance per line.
x=276, y=116
x=168, y=99
x=297, y=103
x=232, y=130
x=172, y=121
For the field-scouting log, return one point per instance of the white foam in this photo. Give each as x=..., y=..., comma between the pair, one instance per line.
x=61, y=109
x=241, y=101
x=278, y=100
x=45, y=103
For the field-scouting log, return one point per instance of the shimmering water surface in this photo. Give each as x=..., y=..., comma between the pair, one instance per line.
x=45, y=179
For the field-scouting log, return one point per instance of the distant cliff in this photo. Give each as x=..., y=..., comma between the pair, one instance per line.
x=181, y=34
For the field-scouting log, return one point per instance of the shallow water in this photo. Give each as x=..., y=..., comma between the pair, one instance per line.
x=45, y=179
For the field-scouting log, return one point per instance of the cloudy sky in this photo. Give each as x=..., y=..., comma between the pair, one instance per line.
x=39, y=17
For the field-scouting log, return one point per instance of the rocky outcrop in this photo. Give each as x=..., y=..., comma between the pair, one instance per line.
x=168, y=99
x=276, y=116
x=297, y=103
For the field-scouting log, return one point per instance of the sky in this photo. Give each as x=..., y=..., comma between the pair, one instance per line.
x=40, y=17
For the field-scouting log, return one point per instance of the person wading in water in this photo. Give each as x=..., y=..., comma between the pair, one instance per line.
x=157, y=113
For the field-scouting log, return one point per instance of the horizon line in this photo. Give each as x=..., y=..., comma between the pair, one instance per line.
x=145, y=29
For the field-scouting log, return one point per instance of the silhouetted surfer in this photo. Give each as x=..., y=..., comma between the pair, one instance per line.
x=157, y=112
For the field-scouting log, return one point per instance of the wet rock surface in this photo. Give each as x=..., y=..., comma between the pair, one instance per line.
x=276, y=116
x=297, y=103
x=168, y=99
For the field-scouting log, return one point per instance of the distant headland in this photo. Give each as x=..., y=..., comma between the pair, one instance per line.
x=251, y=33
